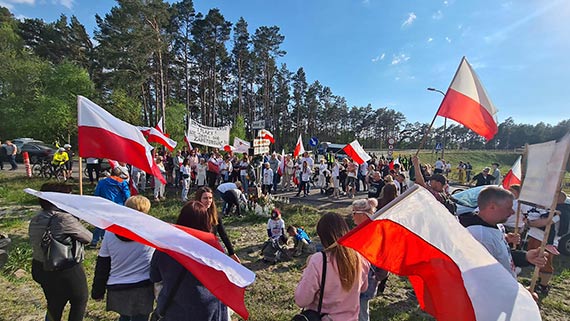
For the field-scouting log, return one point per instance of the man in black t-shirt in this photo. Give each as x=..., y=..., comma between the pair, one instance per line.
x=376, y=184
x=483, y=178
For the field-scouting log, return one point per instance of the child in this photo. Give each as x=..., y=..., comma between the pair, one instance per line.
x=302, y=241
x=276, y=226
x=267, y=179
x=201, y=173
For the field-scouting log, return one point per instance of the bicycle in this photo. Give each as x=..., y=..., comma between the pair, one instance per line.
x=44, y=168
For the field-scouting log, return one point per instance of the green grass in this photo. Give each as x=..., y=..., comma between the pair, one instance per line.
x=269, y=298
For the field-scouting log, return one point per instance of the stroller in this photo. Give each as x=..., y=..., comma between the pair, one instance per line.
x=274, y=252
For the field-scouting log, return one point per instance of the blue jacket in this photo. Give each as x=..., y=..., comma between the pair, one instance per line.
x=113, y=189
x=301, y=234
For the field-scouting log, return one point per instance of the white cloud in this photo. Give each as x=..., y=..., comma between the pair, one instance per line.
x=10, y=3
x=430, y=39
x=397, y=78
x=408, y=22
x=448, y=39
x=365, y=2
x=446, y=3
x=379, y=57
x=398, y=59
x=438, y=15
x=7, y=5
x=66, y=3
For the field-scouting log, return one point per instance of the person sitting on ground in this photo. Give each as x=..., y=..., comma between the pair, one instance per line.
x=495, y=207
x=346, y=274
x=303, y=244
x=123, y=269
x=483, y=178
x=276, y=227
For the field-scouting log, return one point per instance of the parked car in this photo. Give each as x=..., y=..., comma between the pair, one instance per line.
x=19, y=142
x=37, y=150
x=466, y=201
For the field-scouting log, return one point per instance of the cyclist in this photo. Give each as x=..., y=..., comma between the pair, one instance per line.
x=69, y=163
x=60, y=159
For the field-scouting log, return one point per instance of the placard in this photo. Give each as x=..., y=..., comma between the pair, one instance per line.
x=208, y=136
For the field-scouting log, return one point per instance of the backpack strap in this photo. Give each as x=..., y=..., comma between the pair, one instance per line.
x=322, y=291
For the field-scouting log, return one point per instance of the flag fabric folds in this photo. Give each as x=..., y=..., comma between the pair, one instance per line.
x=467, y=102
x=299, y=148
x=453, y=275
x=265, y=134
x=514, y=175
x=160, y=125
x=102, y=135
x=153, y=135
x=198, y=251
x=356, y=152
x=241, y=146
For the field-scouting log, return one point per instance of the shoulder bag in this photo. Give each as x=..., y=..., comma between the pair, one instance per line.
x=59, y=255
x=312, y=315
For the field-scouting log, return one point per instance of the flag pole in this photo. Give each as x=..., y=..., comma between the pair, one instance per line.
x=518, y=214
x=80, y=176
x=562, y=171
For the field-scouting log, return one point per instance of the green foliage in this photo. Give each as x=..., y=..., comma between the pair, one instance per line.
x=125, y=107
x=238, y=129
x=175, y=122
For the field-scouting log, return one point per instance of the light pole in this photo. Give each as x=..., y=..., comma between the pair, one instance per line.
x=444, y=123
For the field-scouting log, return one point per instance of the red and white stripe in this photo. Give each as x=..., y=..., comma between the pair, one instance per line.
x=154, y=135
x=299, y=148
x=132, y=186
x=453, y=275
x=265, y=134
x=356, y=152
x=514, y=175
x=467, y=102
x=241, y=146
x=198, y=251
x=160, y=125
x=102, y=135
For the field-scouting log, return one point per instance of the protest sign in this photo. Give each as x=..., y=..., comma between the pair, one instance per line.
x=208, y=136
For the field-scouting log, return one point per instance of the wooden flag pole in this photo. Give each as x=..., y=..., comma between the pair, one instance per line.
x=80, y=176
x=518, y=214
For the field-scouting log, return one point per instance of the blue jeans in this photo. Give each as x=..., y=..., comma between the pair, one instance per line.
x=275, y=181
x=244, y=183
x=363, y=315
x=12, y=160
x=97, y=235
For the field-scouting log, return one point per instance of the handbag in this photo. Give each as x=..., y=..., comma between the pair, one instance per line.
x=312, y=315
x=59, y=255
x=157, y=315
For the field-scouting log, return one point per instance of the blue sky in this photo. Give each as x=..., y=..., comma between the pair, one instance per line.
x=387, y=53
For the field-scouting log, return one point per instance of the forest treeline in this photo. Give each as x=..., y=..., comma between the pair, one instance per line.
x=151, y=59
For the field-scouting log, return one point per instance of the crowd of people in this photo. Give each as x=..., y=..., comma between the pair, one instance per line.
x=127, y=273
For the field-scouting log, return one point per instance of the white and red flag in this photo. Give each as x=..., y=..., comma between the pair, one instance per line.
x=197, y=251
x=356, y=152
x=160, y=125
x=265, y=134
x=102, y=135
x=228, y=148
x=514, y=176
x=132, y=186
x=281, y=167
x=453, y=275
x=467, y=102
x=241, y=146
x=299, y=148
x=153, y=135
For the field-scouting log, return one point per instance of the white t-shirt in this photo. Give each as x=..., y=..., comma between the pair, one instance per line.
x=438, y=164
x=309, y=161
x=130, y=261
x=335, y=170
x=364, y=169
x=243, y=165
x=306, y=174
x=511, y=220
x=186, y=170
x=493, y=239
x=268, y=176
x=276, y=227
x=536, y=232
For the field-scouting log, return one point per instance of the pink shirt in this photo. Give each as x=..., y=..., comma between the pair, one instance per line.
x=337, y=303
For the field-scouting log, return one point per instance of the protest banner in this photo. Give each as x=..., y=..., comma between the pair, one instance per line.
x=208, y=136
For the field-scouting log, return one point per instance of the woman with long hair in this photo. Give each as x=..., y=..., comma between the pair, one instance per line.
x=346, y=275
x=188, y=299
x=205, y=196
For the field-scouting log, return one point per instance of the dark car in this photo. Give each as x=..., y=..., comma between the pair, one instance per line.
x=37, y=150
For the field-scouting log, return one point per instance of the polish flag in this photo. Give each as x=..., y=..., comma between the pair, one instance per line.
x=356, y=152
x=467, y=102
x=101, y=135
x=187, y=137
x=281, y=167
x=241, y=146
x=453, y=275
x=154, y=135
x=160, y=125
x=265, y=134
x=514, y=175
x=299, y=148
x=197, y=251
